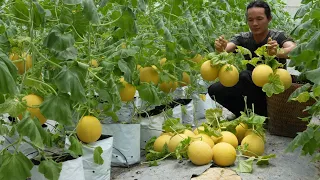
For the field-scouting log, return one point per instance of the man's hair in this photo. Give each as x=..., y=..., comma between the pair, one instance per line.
x=260, y=4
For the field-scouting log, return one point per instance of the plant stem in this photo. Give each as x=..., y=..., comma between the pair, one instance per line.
x=43, y=57
x=12, y=144
x=47, y=85
x=94, y=75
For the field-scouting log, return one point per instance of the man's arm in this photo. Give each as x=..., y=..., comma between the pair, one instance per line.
x=287, y=47
x=222, y=44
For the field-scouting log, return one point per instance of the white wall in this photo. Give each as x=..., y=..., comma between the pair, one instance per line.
x=292, y=6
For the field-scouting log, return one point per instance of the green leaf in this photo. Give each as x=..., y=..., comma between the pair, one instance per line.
x=264, y=160
x=13, y=107
x=314, y=42
x=298, y=91
x=181, y=150
x=13, y=163
x=302, y=97
x=173, y=125
x=76, y=147
x=244, y=51
x=274, y=86
x=61, y=42
x=256, y=119
x=81, y=70
x=245, y=166
x=127, y=22
x=8, y=63
x=80, y=23
x=303, y=10
x=298, y=31
x=310, y=147
x=300, y=54
x=148, y=93
x=38, y=14
x=314, y=75
x=7, y=83
x=90, y=11
x=58, y=108
x=154, y=157
x=123, y=66
x=316, y=91
x=97, y=155
x=32, y=128
x=69, y=82
x=149, y=144
x=50, y=169
x=315, y=13
x=20, y=11
x=3, y=129
x=262, y=51
x=301, y=139
x=213, y=115
x=254, y=61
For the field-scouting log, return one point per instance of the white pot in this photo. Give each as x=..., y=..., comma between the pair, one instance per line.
x=150, y=126
x=201, y=106
x=188, y=116
x=71, y=170
x=93, y=171
x=126, y=143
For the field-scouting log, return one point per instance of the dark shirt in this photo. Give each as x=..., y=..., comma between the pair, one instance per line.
x=246, y=40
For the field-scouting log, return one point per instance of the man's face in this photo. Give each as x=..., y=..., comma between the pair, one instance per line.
x=257, y=20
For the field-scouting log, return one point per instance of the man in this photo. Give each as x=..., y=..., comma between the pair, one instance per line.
x=258, y=17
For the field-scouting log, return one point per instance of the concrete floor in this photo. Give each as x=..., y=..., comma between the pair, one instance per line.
x=286, y=166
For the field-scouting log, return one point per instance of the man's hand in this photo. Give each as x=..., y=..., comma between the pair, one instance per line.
x=272, y=49
x=220, y=44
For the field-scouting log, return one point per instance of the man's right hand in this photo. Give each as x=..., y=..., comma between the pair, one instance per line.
x=220, y=44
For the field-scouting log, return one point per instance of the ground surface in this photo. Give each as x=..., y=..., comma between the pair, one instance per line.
x=287, y=166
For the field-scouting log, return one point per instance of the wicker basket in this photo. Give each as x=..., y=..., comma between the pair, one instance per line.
x=284, y=116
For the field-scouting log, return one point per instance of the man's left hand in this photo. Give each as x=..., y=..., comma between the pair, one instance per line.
x=273, y=47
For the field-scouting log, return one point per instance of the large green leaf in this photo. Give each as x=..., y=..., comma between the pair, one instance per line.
x=76, y=146
x=127, y=22
x=298, y=91
x=38, y=14
x=314, y=43
x=58, y=108
x=13, y=107
x=149, y=93
x=301, y=139
x=274, y=86
x=15, y=166
x=301, y=55
x=32, y=128
x=11, y=67
x=20, y=11
x=60, y=42
x=80, y=23
x=50, y=169
x=245, y=166
x=90, y=11
x=173, y=125
x=303, y=10
x=314, y=75
x=7, y=83
x=299, y=29
x=68, y=82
